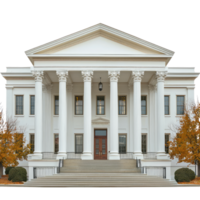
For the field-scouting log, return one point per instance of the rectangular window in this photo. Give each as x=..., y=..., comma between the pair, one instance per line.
x=144, y=143
x=100, y=105
x=78, y=105
x=122, y=143
x=143, y=105
x=56, y=143
x=180, y=105
x=32, y=104
x=79, y=143
x=32, y=141
x=166, y=105
x=19, y=141
x=56, y=104
x=19, y=100
x=122, y=105
x=166, y=143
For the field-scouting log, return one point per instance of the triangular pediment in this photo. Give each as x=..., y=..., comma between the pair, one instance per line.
x=100, y=120
x=99, y=40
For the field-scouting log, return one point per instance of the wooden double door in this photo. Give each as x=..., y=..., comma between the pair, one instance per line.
x=100, y=144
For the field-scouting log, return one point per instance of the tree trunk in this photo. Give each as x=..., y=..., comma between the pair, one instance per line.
x=1, y=170
x=198, y=169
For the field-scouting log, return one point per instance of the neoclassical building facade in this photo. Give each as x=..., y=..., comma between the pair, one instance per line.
x=98, y=93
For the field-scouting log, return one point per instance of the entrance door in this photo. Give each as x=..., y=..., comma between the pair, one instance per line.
x=100, y=144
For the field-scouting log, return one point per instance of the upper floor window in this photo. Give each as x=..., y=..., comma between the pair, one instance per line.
x=19, y=101
x=166, y=105
x=143, y=105
x=78, y=105
x=100, y=105
x=78, y=143
x=32, y=105
x=122, y=105
x=56, y=105
x=180, y=105
x=122, y=143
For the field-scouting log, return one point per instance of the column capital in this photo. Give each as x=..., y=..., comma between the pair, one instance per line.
x=114, y=75
x=137, y=75
x=62, y=75
x=161, y=76
x=38, y=75
x=87, y=75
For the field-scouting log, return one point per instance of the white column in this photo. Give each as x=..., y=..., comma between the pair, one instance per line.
x=114, y=154
x=137, y=150
x=62, y=76
x=87, y=144
x=38, y=114
x=160, y=115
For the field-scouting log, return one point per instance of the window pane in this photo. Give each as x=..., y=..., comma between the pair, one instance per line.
x=144, y=143
x=166, y=105
x=180, y=105
x=32, y=141
x=122, y=144
x=143, y=105
x=19, y=105
x=100, y=105
x=122, y=105
x=56, y=105
x=79, y=143
x=78, y=105
x=32, y=108
x=100, y=132
x=56, y=142
x=166, y=143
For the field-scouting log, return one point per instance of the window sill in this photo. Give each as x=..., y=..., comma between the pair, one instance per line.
x=31, y=115
x=122, y=115
x=167, y=115
x=55, y=115
x=19, y=116
x=78, y=115
x=179, y=115
x=144, y=115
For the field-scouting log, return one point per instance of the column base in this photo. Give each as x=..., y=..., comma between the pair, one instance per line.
x=113, y=156
x=86, y=156
x=138, y=156
x=162, y=156
x=61, y=156
x=35, y=156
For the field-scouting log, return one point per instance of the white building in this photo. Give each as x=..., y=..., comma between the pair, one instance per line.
x=66, y=115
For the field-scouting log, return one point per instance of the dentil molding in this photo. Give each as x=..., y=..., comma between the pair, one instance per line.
x=161, y=76
x=137, y=75
x=38, y=75
x=87, y=75
x=62, y=75
x=113, y=75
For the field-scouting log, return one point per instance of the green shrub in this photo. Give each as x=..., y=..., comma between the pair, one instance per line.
x=17, y=174
x=8, y=169
x=184, y=175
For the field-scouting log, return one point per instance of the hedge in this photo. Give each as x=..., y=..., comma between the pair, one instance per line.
x=17, y=174
x=184, y=175
x=8, y=169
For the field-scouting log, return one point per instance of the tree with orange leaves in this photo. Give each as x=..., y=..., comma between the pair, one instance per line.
x=186, y=144
x=13, y=145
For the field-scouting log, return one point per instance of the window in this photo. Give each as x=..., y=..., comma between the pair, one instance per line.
x=32, y=141
x=122, y=105
x=56, y=143
x=56, y=104
x=19, y=141
x=32, y=104
x=144, y=143
x=143, y=105
x=78, y=105
x=180, y=105
x=122, y=143
x=166, y=105
x=79, y=143
x=19, y=100
x=166, y=143
x=100, y=105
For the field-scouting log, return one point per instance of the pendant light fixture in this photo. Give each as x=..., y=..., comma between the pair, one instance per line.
x=100, y=85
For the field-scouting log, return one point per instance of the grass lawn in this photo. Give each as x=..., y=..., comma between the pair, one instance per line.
x=4, y=180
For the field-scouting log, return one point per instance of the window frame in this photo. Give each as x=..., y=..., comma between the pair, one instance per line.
x=54, y=105
x=16, y=105
x=177, y=105
x=55, y=142
x=75, y=105
x=125, y=105
x=126, y=142
x=30, y=105
x=169, y=140
x=146, y=143
x=104, y=104
x=75, y=142
x=30, y=140
x=169, y=104
x=141, y=104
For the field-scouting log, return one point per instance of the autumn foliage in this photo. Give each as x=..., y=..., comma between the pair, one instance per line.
x=186, y=144
x=13, y=145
